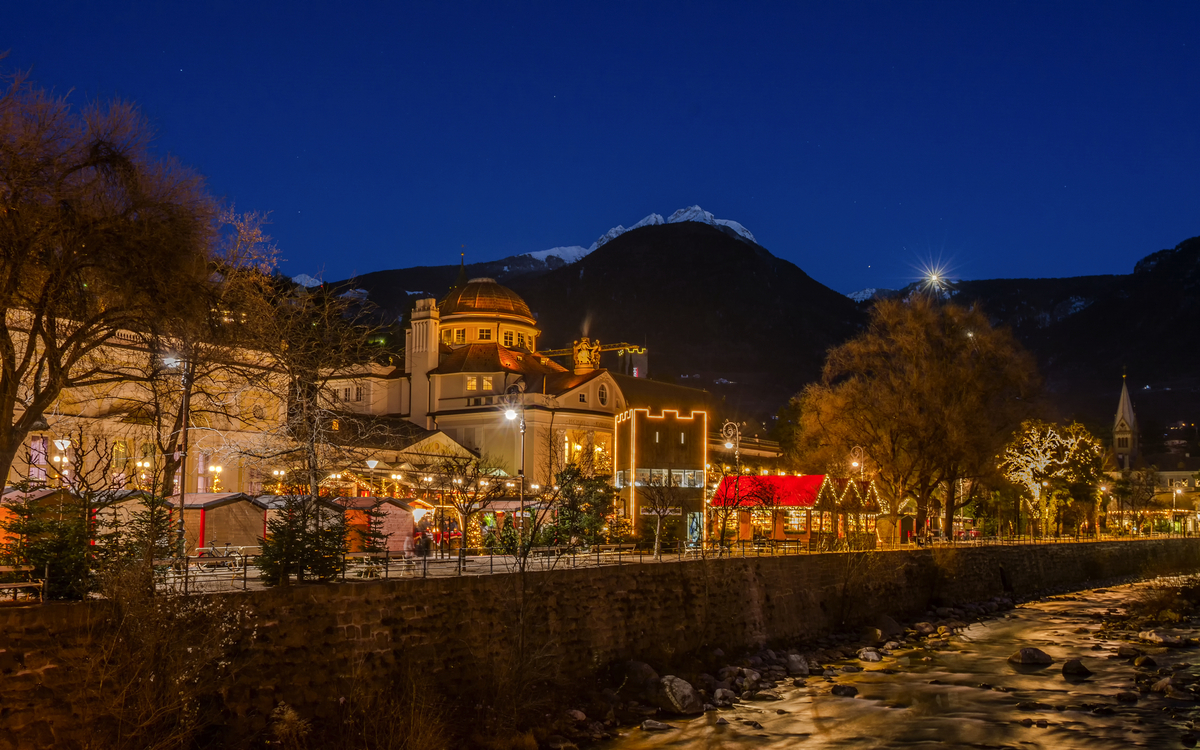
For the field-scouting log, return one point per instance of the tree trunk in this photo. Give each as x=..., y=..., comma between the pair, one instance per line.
x=951, y=503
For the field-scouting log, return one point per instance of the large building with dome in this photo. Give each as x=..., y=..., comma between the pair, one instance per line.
x=474, y=369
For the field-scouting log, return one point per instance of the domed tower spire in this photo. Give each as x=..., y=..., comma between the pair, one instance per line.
x=461, y=281
x=1125, y=432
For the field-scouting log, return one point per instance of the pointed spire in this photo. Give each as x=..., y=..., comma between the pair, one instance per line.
x=462, y=272
x=1125, y=407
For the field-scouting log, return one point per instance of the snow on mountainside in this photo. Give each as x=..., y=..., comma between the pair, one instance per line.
x=306, y=281
x=862, y=295
x=695, y=213
x=691, y=213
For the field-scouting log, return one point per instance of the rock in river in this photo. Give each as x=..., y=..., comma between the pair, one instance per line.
x=1030, y=656
x=1153, y=636
x=650, y=725
x=1075, y=668
x=797, y=665
x=846, y=691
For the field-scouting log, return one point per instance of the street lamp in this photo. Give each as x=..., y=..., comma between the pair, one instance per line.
x=517, y=400
x=371, y=464
x=856, y=454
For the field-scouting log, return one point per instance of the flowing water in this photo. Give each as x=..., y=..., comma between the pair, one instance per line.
x=967, y=694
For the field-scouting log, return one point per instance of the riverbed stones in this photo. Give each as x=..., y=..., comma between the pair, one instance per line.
x=1030, y=656
x=1163, y=639
x=722, y=721
x=650, y=725
x=723, y=697
x=1127, y=696
x=925, y=628
x=845, y=691
x=869, y=654
x=577, y=715
x=1128, y=652
x=1145, y=661
x=1075, y=668
x=677, y=696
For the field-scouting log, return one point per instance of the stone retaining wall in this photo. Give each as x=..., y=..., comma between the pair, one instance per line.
x=310, y=646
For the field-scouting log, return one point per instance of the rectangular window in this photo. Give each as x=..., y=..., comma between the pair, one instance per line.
x=345, y=394
x=471, y=382
x=620, y=478
x=446, y=334
x=583, y=398
x=460, y=335
x=677, y=478
x=487, y=382
x=201, y=463
x=795, y=521
x=1122, y=442
x=485, y=334
x=358, y=393
x=37, y=457
x=660, y=477
x=641, y=477
x=508, y=338
x=520, y=341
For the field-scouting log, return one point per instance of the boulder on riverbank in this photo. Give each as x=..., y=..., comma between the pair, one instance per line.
x=677, y=696
x=1030, y=656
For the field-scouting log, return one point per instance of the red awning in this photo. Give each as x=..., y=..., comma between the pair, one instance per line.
x=769, y=491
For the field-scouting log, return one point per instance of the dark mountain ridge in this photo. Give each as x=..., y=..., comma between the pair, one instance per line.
x=720, y=312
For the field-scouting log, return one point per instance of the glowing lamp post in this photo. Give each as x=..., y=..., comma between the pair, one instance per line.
x=518, y=401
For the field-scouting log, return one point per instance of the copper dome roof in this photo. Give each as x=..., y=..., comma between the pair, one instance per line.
x=484, y=296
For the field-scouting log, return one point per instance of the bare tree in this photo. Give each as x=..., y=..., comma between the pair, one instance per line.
x=661, y=498
x=469, y=485
x=94, y=233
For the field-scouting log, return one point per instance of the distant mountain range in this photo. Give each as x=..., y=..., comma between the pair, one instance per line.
x=719, y=311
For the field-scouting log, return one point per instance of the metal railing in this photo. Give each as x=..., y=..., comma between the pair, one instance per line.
x=202, y=574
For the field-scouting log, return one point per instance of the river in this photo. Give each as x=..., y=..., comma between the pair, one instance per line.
x=966, y=694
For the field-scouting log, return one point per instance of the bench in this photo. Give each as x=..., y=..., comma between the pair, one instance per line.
x=611, y=549
x=15, y=586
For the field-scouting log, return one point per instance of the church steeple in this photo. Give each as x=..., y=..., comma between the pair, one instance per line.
x=1125, y=432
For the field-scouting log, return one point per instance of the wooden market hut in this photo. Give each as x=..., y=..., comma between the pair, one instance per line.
x=394, y=520
x=219, y=518
x=778, y=508
x=48, y=496
x=817, y=510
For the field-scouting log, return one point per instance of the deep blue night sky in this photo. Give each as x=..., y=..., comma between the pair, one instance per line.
x=857, y=140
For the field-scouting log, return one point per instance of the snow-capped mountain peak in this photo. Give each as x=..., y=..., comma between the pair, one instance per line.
x=306, y=281
x=695, y=213
x=692, y=213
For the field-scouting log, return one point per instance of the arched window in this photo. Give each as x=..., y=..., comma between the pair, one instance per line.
x=602, y=395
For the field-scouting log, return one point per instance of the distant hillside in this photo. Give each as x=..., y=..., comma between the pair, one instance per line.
x=1087, y=330
x=706, y=302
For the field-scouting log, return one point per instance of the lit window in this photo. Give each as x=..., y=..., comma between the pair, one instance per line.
x=508, y=338
x=334, y=425
x=471, y=382
x=446, y=335
x=485, y=334
x=487, y=382
x=460, y=335
x=583, y=398
x=602, y=395
x=520, y=341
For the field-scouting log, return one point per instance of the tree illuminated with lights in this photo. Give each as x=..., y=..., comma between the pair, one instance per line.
x=1058, y=467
